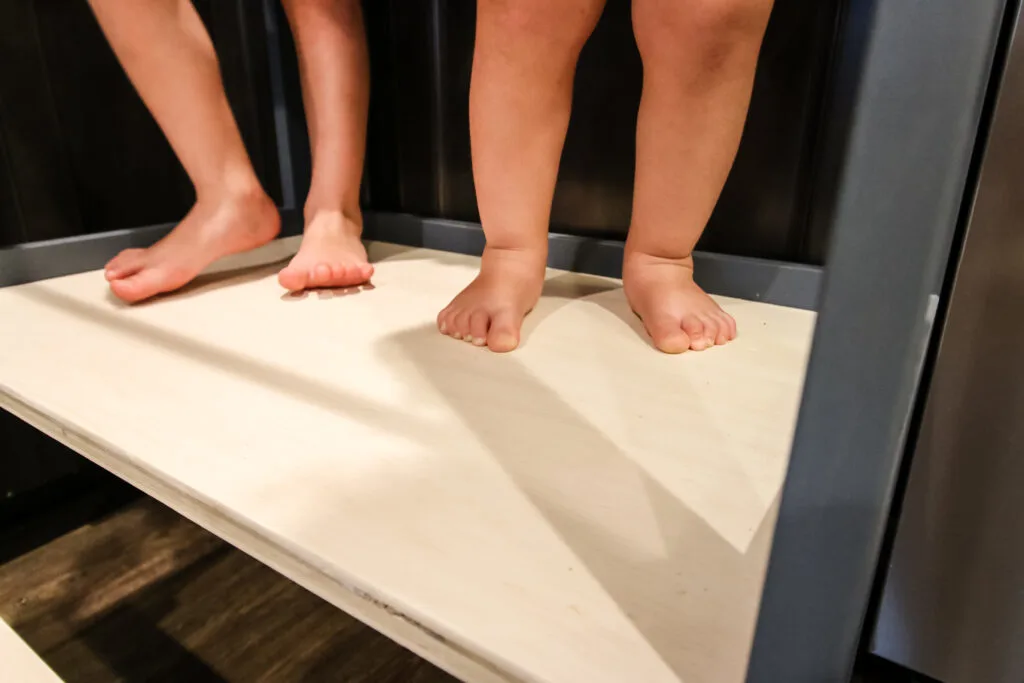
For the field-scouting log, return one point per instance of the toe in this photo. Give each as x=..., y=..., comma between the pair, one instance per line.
x=293, y=279
x=730, y=324
x=460, y=323
x=694, y=329
x=128, y=262
x=479, y=321
x=667, y=335
x=443, y=324
x=143, y=285
x=724, y=331
x=341, y=275
x=320, y=275
x=711, y=330
x=503, y=335
x=365, y=271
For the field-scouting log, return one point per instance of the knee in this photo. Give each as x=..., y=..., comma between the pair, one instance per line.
x=708, y=34
x=554, y=23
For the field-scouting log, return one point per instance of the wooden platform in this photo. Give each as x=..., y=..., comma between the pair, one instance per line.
x=20, y=663
x=584, y=509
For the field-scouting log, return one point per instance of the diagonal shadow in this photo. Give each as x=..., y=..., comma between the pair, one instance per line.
x=694, y=601
x=306, y=389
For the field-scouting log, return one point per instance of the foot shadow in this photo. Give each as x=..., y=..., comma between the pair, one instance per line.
x=689, y=591
x=560, y=290
x=326, y=293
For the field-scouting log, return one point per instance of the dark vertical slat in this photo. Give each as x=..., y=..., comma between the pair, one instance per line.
x=35, y=152
x=242, y=54
x=12, y=226
x=381, y=189
x=413, y=91
x=124, y=170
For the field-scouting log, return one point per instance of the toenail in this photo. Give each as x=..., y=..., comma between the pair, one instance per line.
x=456, y=335
x=477, y=341
x=443, y=327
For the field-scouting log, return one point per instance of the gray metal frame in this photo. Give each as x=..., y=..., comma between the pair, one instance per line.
x=909, y=95
x=785, y=284
x=912, y=82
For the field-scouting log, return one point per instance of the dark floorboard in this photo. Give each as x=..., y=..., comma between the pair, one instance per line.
x=144, y=595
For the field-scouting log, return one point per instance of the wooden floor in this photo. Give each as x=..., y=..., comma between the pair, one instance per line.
x=145, y=595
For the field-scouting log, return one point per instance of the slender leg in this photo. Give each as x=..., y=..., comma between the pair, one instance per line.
x=334, y=68
x=699, y=62
x=169, y=58
x=520, y=97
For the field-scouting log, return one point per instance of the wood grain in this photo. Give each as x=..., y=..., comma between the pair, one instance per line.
x=584, y=509
x=145, y=595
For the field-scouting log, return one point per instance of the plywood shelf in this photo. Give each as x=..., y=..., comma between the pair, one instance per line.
x=584, y=509
x=19, y=662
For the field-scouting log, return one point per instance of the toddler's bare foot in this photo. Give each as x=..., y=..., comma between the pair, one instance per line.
x=211, y=230
x=491, y=309
x=332, y=255
x=677, y=313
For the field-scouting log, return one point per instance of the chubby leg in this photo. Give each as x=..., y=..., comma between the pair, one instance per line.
x=169, y=58
x=699, y=62
x=334, y=68
x=520, y=97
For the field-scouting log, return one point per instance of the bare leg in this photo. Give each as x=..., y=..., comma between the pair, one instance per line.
x=334, y=66
x=520, y=98
x=168, y=56
x=699, y=63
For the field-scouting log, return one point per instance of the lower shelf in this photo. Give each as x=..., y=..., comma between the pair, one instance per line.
x=583, y=509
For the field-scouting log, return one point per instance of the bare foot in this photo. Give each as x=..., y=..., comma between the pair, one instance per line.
x=490, y=311
x=210, y=231
x=676, y=312
x=332, y=255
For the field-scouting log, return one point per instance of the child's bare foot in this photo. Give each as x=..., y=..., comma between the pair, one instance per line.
x=211, y=230
x=490, y=311
x=332, y=255
x=677, y=313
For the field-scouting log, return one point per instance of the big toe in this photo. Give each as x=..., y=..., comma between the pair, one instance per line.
x=667, y=334
x=503, y=335
x=293, y=279
x=144, y=284
x=128, y=262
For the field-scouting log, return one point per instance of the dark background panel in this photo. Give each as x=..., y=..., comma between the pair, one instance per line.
x=79, y=153
x=764, y=207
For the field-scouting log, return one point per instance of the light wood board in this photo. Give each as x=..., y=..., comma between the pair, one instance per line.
x=18, y=662
x=583, y=509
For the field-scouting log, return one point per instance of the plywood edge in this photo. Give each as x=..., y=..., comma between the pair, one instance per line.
x=20, y=661
x=441, y=650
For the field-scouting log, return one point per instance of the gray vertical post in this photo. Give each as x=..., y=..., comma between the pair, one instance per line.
x=912, y=82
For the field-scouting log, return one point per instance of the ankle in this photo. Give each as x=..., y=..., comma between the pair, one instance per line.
x=238, y=189
x=527, y=260
x=637, y=252
x=348, y=213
